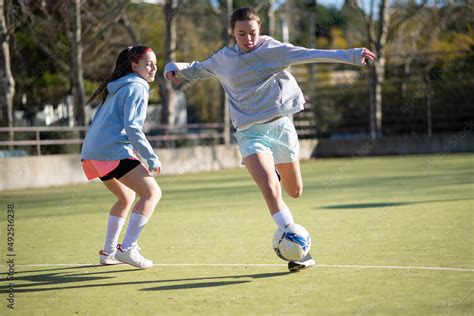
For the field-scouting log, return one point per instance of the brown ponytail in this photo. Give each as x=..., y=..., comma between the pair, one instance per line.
x=123, y=66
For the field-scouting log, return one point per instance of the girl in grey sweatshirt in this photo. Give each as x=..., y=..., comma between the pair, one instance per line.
x=261, y=95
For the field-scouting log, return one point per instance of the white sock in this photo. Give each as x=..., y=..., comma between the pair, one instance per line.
x=114, y=227
x=283, y=217
x=135, y=226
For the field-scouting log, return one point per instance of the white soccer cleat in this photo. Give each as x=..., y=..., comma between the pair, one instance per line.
x=306, y=262
x=133, y=257
x=108, y=259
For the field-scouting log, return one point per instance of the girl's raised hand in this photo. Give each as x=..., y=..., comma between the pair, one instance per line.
x=367, y=54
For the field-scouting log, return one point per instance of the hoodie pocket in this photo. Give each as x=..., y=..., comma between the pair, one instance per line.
x=265, y=96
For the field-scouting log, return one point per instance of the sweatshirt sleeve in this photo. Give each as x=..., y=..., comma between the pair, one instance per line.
x=134, y=118
x=300, y=55
x=285, y=54
x=192, y=71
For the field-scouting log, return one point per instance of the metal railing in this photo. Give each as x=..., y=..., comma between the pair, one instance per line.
x=157, y=133
x=37, y=141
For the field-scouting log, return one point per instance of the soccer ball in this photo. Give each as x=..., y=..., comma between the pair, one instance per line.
x=292, y=242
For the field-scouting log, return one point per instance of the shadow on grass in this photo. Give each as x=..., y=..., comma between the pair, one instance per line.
x=194, y=285
x=75, y=268
x=385, y=204
x=213, y=284
x=362, y=205
x=55, y=280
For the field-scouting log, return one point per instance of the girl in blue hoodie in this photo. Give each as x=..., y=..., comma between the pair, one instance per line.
x=262, y=94
x=110, y=149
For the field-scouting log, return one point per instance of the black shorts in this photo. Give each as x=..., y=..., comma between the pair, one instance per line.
x=125, y=165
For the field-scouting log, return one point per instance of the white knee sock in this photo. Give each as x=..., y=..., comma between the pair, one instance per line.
x=283, y=217
x=135, y=226
x=114, y=227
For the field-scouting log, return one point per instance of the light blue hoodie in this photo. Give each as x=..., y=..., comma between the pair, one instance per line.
x=116, y=130
x=257, y=82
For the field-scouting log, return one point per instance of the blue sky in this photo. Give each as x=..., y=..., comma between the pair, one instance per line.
x=336, y=3
x=328, y=3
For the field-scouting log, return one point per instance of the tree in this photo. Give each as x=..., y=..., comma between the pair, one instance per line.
x=225, y=13
x=54, y=38
x=421, y=37
x=354, y=24
x=377, y=30
x=77, y=81
x=6, y=78
x=167, y=91
x=270, y=13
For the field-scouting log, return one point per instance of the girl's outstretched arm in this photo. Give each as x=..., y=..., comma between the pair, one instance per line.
x=354, y=56
x=288, y=54
x=189, y=71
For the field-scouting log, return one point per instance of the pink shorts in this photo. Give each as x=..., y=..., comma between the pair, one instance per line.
x=103, y=169
x=98, y=168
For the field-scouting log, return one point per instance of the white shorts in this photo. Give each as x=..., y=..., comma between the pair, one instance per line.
x=278, y=138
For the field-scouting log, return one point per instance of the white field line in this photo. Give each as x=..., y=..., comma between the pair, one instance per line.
x=347, y=266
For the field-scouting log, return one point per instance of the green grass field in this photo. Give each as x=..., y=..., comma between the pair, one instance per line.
x=379, y=226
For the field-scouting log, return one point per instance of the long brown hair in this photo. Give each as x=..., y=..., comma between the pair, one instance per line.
x=123, y=66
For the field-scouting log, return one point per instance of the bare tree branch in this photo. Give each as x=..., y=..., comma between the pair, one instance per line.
x=128, y=27
x=261, y=4
x=102, y=30
x=95, y=22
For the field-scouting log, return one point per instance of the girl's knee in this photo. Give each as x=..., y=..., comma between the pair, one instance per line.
x=127, y=199
x=131, y=196
x=153, y=194
x=296, y=193
x=156, y=195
